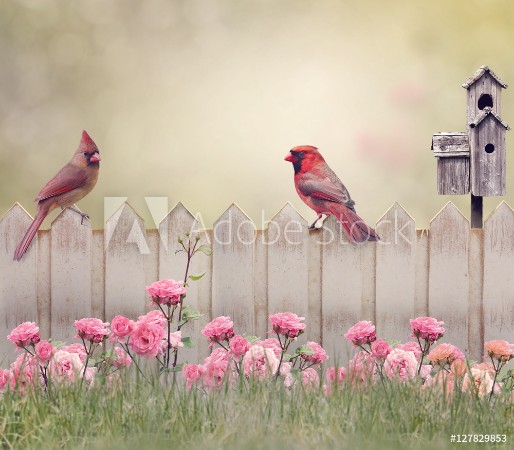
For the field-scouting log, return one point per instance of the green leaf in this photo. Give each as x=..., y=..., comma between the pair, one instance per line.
x=287, y=357
x=57, y=344
x=188, y=342
x=204, y=249
x=197, y=277
x=305, y=350
x=177, y=368
x=251, y=339
x=190, y=314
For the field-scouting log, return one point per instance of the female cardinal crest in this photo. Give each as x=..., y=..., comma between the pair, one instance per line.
x=320, y=189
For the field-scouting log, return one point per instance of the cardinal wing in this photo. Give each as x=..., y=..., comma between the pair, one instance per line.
x=66, y=180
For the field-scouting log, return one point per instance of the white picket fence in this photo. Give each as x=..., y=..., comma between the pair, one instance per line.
x=460, y=275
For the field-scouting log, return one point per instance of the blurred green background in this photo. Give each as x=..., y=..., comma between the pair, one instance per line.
x=200, y=100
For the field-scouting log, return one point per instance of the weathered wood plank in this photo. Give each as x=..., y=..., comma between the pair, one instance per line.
x=204, y=263
x=260, y=284
x=98, y=275
x=44, y=289
x=18, y=288
x=288, y=267
x=172, y=264
x=341, y=289
x=314, y=285
x=71, y=270
x=421, y=273
x=126, y=246
x=232, y=277
x=448, y=276
x=396, y=267
x=476, y=285
x=498, y=294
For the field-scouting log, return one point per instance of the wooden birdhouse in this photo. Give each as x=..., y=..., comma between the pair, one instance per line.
x=486, y=133
x=475, y=160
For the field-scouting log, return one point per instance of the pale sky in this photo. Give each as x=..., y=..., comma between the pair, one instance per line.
x=200, y=100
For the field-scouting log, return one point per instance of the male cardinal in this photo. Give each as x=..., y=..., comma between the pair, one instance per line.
x=320, y=188
x=73, y=182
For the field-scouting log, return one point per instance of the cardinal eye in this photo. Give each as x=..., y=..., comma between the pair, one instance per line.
x=85, y=154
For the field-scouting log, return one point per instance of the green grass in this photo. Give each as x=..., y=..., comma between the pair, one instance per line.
x=262, y=416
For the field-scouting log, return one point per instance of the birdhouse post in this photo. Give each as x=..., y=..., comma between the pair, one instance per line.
x=475, y=161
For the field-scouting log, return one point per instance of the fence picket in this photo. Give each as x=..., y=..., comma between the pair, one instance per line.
x=498, y=293
x=232, y=276
x=172, y=264
x=342, y=291
x=395, y=265
x=288, y=269
x=71, y=269
x=18, y=288
x=448, y=277
x=125, y=248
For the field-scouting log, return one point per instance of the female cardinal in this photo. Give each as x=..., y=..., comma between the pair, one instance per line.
x=320, y=188
x=73, y=182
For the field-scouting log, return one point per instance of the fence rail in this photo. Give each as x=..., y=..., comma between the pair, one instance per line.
x=460, y=275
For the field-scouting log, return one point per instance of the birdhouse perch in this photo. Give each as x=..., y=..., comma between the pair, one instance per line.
x=475, y=161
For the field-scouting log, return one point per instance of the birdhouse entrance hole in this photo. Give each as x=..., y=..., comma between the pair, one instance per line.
x=485, y=101
x=489, y=148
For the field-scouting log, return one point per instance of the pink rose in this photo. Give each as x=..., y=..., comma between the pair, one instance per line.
x=5, y=377
x=146, y=339
x=25, y=334
x=44, y=350
x=76, y=348
x=216, y=371
x=459, y=367
x=90, y=375
x=92, y=329
x=479, y=383
x=176, y=339
x=239, y=346
x=24, y=373
x=500, y=350
x=271, y=343
x=285, y=368
x=123, y=359
x=400, y=365
x=166, y=292
x=220, y=329
x=154, y=317
x=380, y=349
x=487, y=366
x=362, y=368
x=444, y=354
x=218, y=354
x=287, y=324
x=192, y=373
x=260, y=362
x=361, y=333
x=121, y=327
x=289, y=380
x=310, y=378
x=335, y=374
x=427, y=328
x=65, y=366
x=410, y=346
x=319, y=355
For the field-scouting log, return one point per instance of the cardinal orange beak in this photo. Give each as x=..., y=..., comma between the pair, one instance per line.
x=289, y=158
x=95, y=158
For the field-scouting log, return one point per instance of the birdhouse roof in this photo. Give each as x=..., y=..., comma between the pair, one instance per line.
x=479, y=73
x=450, y=144
x=483, y=114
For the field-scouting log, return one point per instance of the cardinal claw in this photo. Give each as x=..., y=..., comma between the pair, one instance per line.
x=84, y=216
